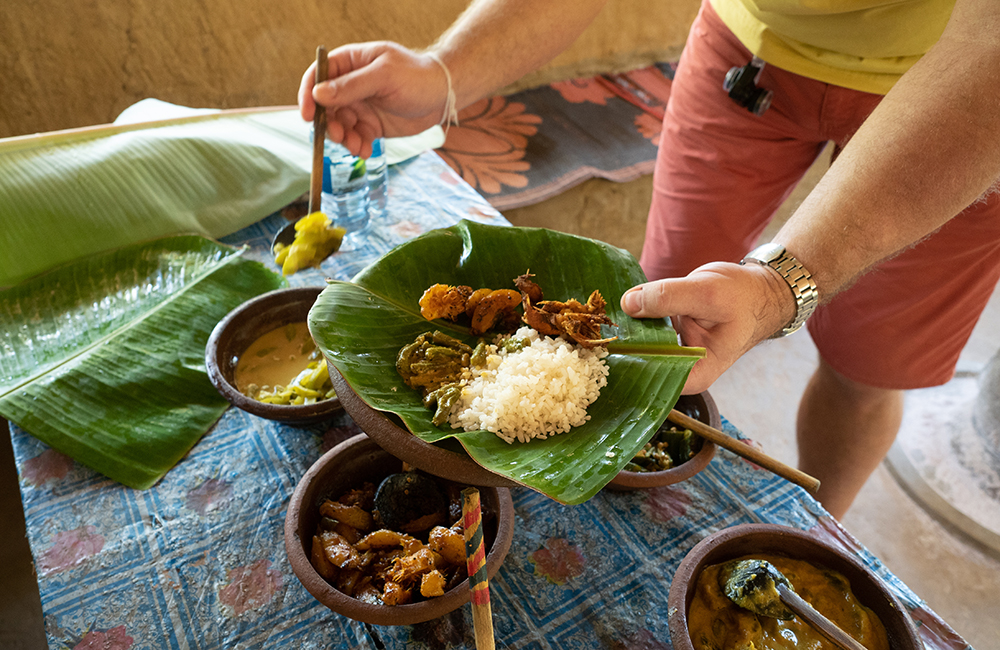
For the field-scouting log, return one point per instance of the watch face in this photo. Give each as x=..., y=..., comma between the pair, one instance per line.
x=767, y=253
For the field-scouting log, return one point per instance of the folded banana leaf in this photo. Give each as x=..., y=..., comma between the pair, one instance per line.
x=69, y=194
x=361, y=326
x=103, y=359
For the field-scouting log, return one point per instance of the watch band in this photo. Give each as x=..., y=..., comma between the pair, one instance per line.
x=798, y=278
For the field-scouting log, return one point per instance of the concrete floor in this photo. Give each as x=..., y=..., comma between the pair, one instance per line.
x=958, y=578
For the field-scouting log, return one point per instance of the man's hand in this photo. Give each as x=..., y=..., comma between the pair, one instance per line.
x=725, y=308
x=378, y=89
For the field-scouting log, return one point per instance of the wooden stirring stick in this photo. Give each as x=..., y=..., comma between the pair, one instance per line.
x=745, y=451
x=475, y=553
x=319, y=138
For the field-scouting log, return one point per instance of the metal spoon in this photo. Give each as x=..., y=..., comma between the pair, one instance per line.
x=757, y=586
x=284, y=236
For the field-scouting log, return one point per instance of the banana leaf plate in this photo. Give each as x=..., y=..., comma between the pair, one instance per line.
x=361, y=325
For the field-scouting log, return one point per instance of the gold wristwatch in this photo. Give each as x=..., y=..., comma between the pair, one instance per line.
x=798, y=278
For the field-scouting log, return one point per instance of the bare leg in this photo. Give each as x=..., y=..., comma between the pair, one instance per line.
x=844, y=430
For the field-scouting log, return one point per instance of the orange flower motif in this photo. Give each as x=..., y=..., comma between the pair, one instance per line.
x=577, y=91
x=70, y=548
x=649, y=127
x=559, y=560
x=50, y=465
x=250, y=587
x=487, y=148
x=664, y=503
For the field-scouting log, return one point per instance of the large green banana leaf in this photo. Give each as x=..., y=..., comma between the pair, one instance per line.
x=361, y=326
x=103, y=359
x=69, y=194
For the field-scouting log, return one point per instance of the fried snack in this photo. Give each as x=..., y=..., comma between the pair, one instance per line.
x=485, y=308
x=444, y=301
x=580, y=323
x=489, y=309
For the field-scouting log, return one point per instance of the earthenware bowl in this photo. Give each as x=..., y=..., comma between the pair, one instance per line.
x=388, y=431
x=700, y=407
x=241, y=327
x=749, y=539
x=346, y=466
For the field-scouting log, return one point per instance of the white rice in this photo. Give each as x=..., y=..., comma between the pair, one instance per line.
x=542, y=390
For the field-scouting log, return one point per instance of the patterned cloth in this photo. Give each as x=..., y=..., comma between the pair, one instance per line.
x=526, y=147
x=198, y=561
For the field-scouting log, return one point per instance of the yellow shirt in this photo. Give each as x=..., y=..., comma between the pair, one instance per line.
x=861, y=44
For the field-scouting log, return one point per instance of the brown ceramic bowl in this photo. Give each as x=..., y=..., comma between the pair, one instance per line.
x=747, y=539
x=389, y=432
x=241, y=327
x=700, y=407
x=347, y=465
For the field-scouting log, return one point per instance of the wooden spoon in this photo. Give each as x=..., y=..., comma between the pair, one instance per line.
x=757, y=586
x=745, y=451
x=319, y=138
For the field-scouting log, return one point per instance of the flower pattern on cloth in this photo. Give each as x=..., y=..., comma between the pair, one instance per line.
x=521, y=149
x=649, y=127
x=115, y=638
x=487, y=147
x=558, y=560
x=50, y=465
x=576, y=91
x=70, y=548
x=250, y=587
x=210, y=494
x=664, y=503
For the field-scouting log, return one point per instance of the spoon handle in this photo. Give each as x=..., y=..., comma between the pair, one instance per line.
x=319, y=138
x=825, y=626
x=745, y=451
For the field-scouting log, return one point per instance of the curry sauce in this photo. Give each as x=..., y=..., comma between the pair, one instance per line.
x=716, y=623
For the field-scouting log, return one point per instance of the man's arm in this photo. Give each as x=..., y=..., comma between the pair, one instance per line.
x=383, y=89
x=496, y=42
x=931, y=148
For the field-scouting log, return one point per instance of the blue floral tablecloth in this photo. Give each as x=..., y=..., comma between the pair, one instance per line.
x=198, y=561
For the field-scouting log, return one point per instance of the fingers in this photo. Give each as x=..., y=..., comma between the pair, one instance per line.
x=696, y=295
x=307, y=106
x=352, y=75
x=724, y=308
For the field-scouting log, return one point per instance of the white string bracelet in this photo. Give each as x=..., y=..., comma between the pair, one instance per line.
x=450, y=115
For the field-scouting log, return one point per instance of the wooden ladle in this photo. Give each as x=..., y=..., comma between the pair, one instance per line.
x=745, y=451
x=759, y=587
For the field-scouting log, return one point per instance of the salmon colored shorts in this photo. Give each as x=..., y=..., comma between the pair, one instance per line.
x=722, y=172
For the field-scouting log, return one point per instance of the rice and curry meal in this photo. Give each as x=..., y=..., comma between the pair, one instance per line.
x=535, y=378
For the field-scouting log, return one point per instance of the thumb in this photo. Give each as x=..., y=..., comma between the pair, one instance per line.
x=346, y=89
x=661, y=298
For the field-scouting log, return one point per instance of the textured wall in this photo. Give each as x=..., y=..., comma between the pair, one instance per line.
x=65, y=64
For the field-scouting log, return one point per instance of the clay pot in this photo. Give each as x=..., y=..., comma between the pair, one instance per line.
x=748, y=539
x=390, y=433
x=700, y=407
x=244, y=325
x=346, y=466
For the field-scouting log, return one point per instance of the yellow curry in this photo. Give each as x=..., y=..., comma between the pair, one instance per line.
x=716, y=623
x=284, y=367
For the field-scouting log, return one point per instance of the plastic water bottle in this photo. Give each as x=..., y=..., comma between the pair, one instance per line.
x=377, y=180
x=345, y=188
